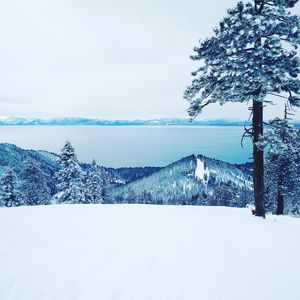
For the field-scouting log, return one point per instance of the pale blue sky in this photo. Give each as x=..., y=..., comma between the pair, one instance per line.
x=104, y=59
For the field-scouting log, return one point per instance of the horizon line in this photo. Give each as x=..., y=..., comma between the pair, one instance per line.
x=73, y=121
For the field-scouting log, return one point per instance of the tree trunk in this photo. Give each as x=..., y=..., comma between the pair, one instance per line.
x=280, y=197
x=258, y=157
x=280, y=204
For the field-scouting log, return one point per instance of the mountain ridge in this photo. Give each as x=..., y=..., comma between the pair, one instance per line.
x=195, y=179
x=20, y=121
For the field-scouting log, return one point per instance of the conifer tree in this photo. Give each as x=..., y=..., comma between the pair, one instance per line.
x=250, y=56
x=146, y=197
x=70, y=177
x=106, y=178
x=282, y=170
x=94, y=184
x=8, y=193
x=33, y=186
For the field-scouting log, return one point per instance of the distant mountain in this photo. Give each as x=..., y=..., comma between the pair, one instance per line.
x=99, y=122
x=130, y=174
x=18, y=121
x=197, y=180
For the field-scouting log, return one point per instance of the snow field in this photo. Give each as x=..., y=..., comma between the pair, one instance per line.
x=141, y=252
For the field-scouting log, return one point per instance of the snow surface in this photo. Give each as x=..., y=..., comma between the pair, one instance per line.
x=141, y=252
x=201, y=173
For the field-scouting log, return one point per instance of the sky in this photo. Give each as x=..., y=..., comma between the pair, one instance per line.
x=105, y=59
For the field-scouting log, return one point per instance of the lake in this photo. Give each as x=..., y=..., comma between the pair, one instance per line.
x=117, y=146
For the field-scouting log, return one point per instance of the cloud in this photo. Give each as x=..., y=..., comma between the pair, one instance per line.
x=105, y=59
x=8, y=100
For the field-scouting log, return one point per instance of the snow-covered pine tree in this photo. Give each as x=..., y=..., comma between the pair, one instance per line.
x=282, y=169
x=33, y=187
x=70, y=177
x=8, y=195
x=94, y=184
x=249, y=57
x=106, y=178
x=145, y=197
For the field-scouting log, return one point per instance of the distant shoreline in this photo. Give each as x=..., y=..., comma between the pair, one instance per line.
x=129, y=125
x=12, y=121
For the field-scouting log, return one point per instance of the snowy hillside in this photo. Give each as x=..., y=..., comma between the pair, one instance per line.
x=147, y=252
x=14, y=157
x=196, y=180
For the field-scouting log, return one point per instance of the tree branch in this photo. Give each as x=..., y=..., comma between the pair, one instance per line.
x=277, y=95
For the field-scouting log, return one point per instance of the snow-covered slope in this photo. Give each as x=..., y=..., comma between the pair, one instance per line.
x=13, y=157
x=197, y=180
x=145, y=252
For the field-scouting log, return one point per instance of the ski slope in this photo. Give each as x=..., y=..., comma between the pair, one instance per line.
x=139, y=252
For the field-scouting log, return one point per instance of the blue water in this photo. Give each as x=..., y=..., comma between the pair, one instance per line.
x=133, y=145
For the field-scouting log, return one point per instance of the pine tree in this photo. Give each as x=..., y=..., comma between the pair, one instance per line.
x=249, y=57
x=70, y=177
x=107, y=183
x=146, y=197
x=94, y=184
x=8, y=193
x=282, y=174
x=33, y=186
